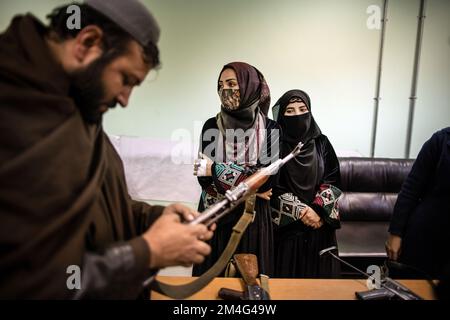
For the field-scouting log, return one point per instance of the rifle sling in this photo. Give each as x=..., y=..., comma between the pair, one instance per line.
x=185, y=290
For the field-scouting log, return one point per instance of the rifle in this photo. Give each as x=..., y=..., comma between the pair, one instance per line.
x=242, y=191
x=233, y=198
x=247, y=265
x=390, y=289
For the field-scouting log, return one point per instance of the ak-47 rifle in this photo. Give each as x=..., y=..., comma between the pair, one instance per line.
x=247, y=265
x=389, y=288
x=242, y=191
x=233, y=198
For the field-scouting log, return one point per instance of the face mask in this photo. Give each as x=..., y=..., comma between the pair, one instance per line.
x=231, y=98
x=297, y=126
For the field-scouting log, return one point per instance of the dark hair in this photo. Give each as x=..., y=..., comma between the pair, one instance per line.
x=115, y=40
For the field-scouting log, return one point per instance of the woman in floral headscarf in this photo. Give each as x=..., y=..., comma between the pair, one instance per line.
x=235, y=143
x=305, y=196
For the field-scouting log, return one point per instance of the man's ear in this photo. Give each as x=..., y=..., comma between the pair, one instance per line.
x=88, y=44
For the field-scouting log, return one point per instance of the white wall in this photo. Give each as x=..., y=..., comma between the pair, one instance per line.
x=432, y=109
x=321, y=46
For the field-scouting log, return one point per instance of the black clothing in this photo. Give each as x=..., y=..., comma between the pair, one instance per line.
x=302, y=174
x=297, y=246
x=258, y=238
x=422, y=211
x=310, y=179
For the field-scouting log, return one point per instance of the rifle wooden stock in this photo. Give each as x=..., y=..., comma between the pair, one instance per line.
x=247, y=264
x=256, y=180
x=246, y=188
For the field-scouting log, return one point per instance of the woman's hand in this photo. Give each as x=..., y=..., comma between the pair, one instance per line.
x=202, y=166
x=310, y=218
x=393, y=246
x=265, y=195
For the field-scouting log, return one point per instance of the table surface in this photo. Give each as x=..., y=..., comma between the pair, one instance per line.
x=294, y=289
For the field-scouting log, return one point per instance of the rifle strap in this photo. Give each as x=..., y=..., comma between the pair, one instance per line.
x=185, y=290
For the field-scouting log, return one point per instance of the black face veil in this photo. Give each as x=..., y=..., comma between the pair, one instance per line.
x=299, y=176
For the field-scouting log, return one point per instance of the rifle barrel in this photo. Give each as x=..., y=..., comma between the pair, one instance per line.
x=242, y=191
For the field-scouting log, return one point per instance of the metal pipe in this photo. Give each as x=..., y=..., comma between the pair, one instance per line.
x=378, y=82
x=413, y=96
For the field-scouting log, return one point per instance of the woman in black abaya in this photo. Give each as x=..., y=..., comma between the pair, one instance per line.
x=304, y=202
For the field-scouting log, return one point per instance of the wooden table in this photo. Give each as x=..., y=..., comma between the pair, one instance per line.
x=295, y=289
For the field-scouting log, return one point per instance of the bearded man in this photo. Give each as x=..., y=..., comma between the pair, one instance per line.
x=63, y=197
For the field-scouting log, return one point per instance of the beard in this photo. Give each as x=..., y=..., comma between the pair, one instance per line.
x=88, y=91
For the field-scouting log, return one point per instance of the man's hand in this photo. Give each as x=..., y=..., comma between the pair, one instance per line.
x=265, y=195
x=174, y=243
x=393, y=247
x=187, y=214
x=311, y=218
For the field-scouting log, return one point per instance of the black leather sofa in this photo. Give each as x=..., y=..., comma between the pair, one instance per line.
x=370, y=187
